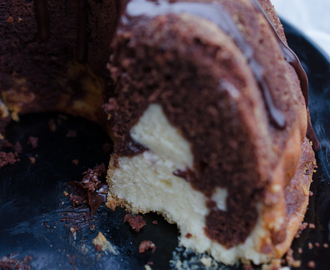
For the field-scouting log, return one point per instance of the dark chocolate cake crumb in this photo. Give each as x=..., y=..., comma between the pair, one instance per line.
x=145, y=245
x=9, y=263
x=71, y=134
x=136, y=222
x=188, y=235
x=92, y=189
x=33, y=141
x=6, y=158
x=52, y=125
x=5, y=144
x=76, y=200
x=75, y=161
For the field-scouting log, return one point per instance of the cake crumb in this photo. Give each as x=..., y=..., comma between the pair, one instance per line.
x=311, y=225
x=302, y=227
x=317, y=244
x=300, y=250
x=310, y=245
x=155, y=222
x=311, y=193
x=65, y=193
x=102, y=244
x=147, y=267
x=9, y=262
x=206, y=261
x=33, y=141
x=150, y=263
x=71, y=134
x=311, y=264
x=6, y=158
x=76, y=200
x=136, y=222
x=296, y=263
x=52, y=125
x=188, y=235
x=112, y=203
x=325, y=245
x=145, y=245
x=73, y=230
x=75, y=161
x=290, y=259
x=33, y=160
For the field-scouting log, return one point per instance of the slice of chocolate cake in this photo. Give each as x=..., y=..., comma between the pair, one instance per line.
x=209, y=123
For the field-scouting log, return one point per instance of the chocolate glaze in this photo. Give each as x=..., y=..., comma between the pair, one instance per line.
x=215, y=13
x=42, y=17
x=293, y=60
x=81, y=31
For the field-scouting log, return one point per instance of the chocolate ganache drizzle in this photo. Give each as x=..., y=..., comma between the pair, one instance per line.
x=213, y=12
x=293, y=60
x=42, y=17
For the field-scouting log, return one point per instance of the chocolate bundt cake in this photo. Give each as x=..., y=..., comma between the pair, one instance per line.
x=209, y=120
x=53, y=56
x=206, y=106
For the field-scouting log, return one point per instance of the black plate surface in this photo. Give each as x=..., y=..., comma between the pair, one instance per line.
x=32, y=202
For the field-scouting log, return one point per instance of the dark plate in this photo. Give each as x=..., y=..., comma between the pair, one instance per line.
x=36, y=216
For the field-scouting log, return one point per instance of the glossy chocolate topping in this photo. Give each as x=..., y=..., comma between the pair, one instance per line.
x=81, y=31
x=293, y=60
x=42, y=17
x=215, y=13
